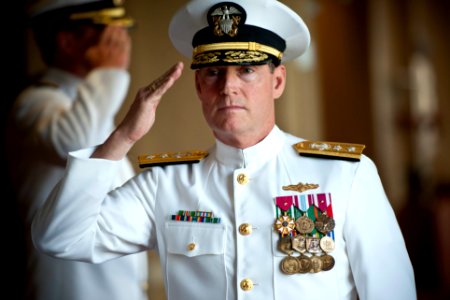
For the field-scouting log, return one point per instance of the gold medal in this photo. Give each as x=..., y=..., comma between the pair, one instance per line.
x=324, y=223
x=316, y=264
x=327, y=244
x=299, y=243
x=313, y=245
x=327, y=262
x=285, y=245
x=284, y=225
x=304, y=264
x=304, y=225
x=289, y=265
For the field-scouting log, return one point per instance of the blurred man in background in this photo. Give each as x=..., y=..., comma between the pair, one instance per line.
x=72, y=105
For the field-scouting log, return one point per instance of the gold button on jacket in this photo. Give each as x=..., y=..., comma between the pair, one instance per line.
x=247, y=284
x=245, y=229
x=242, y=179
x=191, y=246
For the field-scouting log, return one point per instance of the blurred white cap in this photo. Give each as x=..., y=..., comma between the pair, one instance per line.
x=102, y=12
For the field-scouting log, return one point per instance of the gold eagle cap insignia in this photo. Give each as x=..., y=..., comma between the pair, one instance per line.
x=226, y=20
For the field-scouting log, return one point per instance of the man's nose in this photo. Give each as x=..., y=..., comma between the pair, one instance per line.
x=230, y=81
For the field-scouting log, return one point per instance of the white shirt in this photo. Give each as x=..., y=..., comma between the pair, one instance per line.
x=60, y=114
x=210, y=261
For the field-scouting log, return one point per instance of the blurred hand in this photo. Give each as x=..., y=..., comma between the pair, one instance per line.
x=112, y=50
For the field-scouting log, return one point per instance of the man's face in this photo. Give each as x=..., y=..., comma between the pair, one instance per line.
x=238, y=101
x=75, y=42
x=89, y=35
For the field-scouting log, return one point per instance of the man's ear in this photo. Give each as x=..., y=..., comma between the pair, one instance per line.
x=279, y=82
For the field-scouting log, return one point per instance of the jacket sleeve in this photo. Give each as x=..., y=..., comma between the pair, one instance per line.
x=84, y=220
x=376, y=249
x=60, y=124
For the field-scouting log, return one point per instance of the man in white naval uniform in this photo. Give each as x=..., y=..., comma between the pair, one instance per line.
x=235, y=222
x=72, y=106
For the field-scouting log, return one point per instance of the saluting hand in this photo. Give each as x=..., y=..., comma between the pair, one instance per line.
x=140, y=117
x=112, y=50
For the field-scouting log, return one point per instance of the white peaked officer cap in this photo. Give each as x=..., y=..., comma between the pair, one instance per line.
x=67, y=12
x=239, y=32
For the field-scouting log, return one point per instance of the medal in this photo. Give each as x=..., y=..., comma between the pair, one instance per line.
x=327, y=262
x=324, y=223
x=284, y=225
x=285, y=245
x=304, y=225
x=304, y=264
x=289, y=265
x=327, y=244
x=299, y=243
x=316, y=264
x=313, y=245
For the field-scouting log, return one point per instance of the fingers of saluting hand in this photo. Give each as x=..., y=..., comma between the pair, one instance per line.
x=159, y=87
x=141, y=116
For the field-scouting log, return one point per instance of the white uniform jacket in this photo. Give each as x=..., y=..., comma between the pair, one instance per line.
x=214, y=260
x=62, y=113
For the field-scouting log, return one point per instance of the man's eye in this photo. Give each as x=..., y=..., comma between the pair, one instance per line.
x=247, y=70
x=212, y=72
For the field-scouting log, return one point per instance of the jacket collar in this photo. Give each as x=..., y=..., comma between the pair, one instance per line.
x=251, y=157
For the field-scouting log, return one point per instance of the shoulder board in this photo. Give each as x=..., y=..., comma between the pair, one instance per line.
x=331, y=150
x=171, y=158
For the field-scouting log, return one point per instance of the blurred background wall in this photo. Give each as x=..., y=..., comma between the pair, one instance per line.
x=377, y=73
